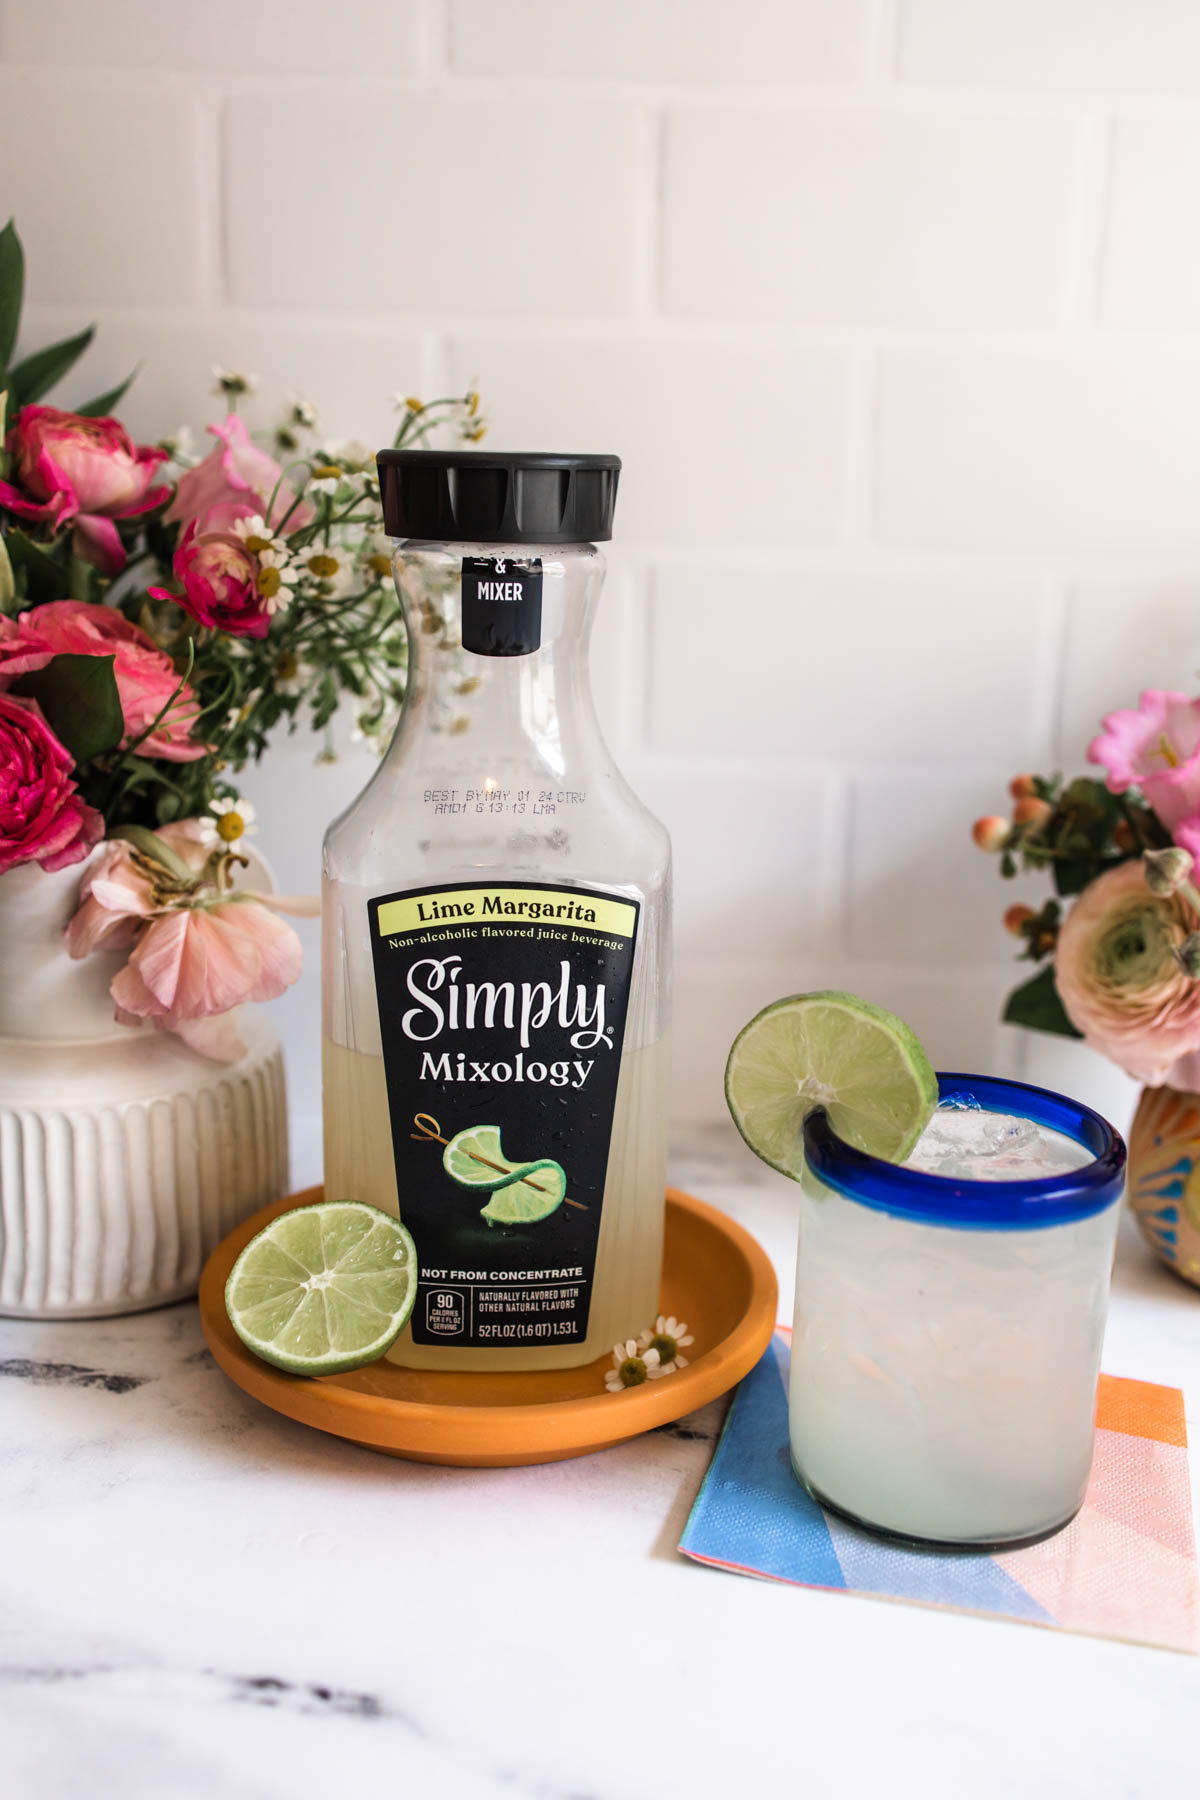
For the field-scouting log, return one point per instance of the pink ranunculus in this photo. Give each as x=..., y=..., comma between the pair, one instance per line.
x=1157, y=749
x=145, y=675
x=68, y=470
x=234, y=481
x=220, y=583
x=42, y=818
x=1119, y=977
x=191, y=969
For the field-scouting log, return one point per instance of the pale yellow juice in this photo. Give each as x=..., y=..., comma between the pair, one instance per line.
x=360, y=1165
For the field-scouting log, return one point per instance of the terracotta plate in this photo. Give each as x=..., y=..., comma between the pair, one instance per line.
x=714, y=1275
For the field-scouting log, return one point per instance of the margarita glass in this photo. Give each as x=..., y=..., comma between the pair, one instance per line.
x=948, y=1324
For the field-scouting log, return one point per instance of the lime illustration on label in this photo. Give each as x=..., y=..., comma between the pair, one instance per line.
x=520, y=1193
x=502, y=1011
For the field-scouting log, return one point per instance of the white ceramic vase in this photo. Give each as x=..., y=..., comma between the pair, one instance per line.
x=124, y=1156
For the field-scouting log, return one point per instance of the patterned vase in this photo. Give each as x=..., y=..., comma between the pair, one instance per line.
x=124, y=1156
x=1164, y=1177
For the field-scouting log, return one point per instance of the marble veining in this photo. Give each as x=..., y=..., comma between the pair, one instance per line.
x=199, y=1598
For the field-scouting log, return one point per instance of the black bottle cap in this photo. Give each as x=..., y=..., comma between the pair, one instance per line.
x=497, y=497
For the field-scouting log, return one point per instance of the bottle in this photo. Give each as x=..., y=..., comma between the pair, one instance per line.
x=496, y=936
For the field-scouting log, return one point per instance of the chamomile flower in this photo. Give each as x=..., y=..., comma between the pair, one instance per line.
x=326, y=478
x=233, y=384
x=666, y=1341
x=631, y=1367
x=291, y=674
x=330, y=564
x=230, y=820
x=275, y=580
x=179, y=445
x=258, y=536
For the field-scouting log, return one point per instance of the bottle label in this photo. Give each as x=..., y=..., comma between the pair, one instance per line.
x=501, y=605
x=502, y=1011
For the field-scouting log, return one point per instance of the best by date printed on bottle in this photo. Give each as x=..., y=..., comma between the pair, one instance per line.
x=492, y=799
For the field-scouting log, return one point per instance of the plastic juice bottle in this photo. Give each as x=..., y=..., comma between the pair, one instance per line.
x=496, y=936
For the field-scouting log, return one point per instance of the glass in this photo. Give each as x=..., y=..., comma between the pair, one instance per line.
x=499, y=771
x=947, y=1332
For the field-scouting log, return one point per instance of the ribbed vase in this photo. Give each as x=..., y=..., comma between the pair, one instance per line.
x=125, y=1156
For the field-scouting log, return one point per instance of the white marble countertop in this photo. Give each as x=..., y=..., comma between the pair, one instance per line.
x=199, y=1598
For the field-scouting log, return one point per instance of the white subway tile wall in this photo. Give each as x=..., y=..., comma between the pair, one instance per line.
x=891, y=307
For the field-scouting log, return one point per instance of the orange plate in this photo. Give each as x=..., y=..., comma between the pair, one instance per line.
x=714, y=1275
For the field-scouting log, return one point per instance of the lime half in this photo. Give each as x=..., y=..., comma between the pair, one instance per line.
x=834, y=1050
x=474, y=1157
x=323, y=1288
x=537, y=1194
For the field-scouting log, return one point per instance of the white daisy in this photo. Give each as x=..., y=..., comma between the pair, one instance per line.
x=230, y=820
x=258, y=536
x=301, y=413
x=330, y=564
x=233, y=383
x=275, y=580
x=291, y=674
x=179, y=445
x=326, y=478
x=666, y=1340
x=630, y=1367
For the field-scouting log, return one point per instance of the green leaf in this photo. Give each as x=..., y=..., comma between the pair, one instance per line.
x=103, y=404
x=12, y=289
x=1037, y=1005
x=39, y=372
x=8, y=584
x=78, y=695
x=40, y=576
x=1072, y=874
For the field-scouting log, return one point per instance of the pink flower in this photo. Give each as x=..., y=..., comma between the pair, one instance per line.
x=1119, y=977
x=233, y=482
x=145, y=675
x=69, y=470
x=220, y=583
x=199, y=951
x=190, y=967
x=119, y=891
x=1156, y=748
x=42, y=818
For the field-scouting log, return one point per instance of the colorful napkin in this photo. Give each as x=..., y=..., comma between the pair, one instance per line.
x=1124, y=1568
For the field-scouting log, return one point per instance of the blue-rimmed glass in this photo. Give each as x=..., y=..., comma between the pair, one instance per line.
x=948, y=1331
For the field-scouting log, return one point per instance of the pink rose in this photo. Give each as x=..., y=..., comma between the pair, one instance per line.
x=220, y=581
x=1119, y=978
x=145, y=675
x=42, y=818
x=1157, y=749
x=235, y=481
x=68, y=470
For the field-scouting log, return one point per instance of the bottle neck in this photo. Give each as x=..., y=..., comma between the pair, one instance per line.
x=491, y=714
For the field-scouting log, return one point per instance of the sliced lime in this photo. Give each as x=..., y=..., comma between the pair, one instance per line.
x=537, y=1194
x=474, y=1157
x=834, y=1050
x=323, y=1288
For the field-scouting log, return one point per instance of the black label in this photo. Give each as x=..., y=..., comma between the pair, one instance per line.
x=501, y=605
x=502, y=1011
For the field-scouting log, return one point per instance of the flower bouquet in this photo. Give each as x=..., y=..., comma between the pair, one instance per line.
x=162, y=616
x=1121, y=966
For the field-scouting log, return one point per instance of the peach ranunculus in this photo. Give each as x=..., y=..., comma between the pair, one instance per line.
x=1119, y=976
x=145, y=675
x=234, y=481
x=71, y=470
x=42, y=818
x=199, y=949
